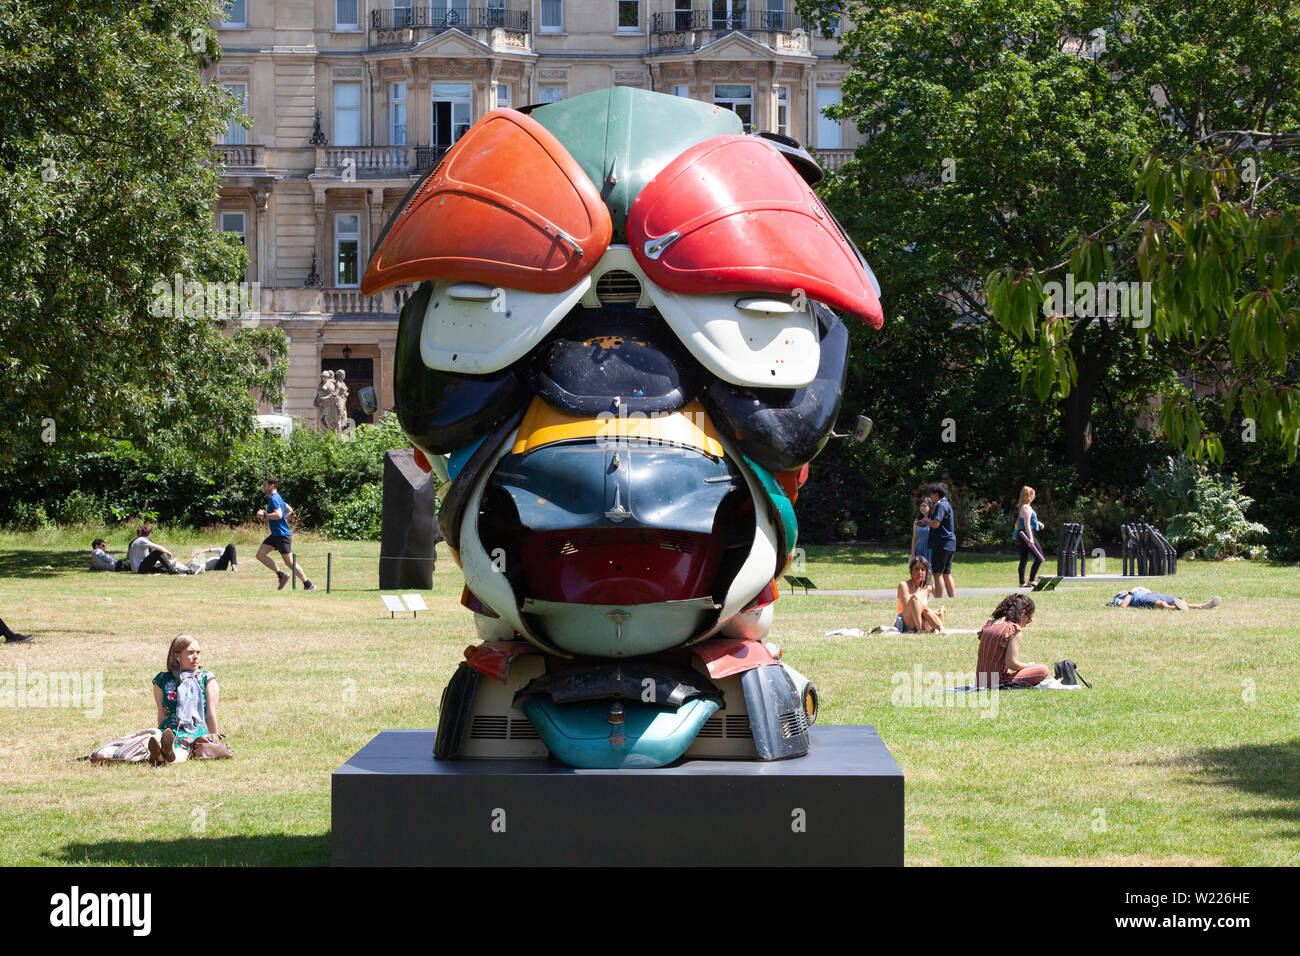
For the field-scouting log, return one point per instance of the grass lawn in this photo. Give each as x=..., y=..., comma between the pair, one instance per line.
x=1186, y=750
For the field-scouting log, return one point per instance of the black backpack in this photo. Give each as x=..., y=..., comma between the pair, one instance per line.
x=1068, y=673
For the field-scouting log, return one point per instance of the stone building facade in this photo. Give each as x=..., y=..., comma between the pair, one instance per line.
x=351, y=101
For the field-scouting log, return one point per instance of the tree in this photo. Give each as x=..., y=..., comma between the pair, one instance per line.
x=107, y=182
x=998, y=128
x=1216, y=243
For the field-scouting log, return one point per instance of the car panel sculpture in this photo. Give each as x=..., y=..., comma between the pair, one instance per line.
x=623, y=346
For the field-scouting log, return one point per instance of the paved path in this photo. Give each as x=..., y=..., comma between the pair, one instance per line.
x=888, y=594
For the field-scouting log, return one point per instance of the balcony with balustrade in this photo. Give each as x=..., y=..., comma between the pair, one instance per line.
x=499, y=28
x=687, y=30
x=371, y=164
x=832, y=159
x=302, y=302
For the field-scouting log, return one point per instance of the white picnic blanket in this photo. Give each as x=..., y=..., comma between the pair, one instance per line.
x=1047, y=683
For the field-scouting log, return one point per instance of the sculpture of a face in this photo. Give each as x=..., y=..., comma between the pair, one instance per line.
x=623, y=341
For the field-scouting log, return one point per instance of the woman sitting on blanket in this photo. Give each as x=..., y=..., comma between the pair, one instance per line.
x=914, y=614
x=999, y=654
x=186, y=698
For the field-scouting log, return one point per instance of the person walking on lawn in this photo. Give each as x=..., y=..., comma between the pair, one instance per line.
x=280, y=539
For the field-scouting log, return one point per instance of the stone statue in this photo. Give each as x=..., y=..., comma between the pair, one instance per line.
x=340, y=399
x=326, y=403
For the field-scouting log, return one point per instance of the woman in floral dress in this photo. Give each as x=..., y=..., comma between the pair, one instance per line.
x=186, y=696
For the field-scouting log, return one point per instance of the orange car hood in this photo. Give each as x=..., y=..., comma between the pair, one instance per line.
x=507, y=206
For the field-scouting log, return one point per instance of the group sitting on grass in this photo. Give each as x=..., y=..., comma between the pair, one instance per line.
x=145, y=556
x=1144, y=597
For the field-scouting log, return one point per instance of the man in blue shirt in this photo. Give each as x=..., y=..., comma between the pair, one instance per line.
x=943, y=541
x=280, y=538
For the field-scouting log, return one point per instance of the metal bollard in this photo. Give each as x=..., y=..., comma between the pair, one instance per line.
x=329, y=569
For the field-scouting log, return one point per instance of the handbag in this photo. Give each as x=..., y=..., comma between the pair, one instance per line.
x=210, y=747
x=1067, y=672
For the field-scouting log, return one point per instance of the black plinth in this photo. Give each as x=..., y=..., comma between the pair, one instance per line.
x=842, y=804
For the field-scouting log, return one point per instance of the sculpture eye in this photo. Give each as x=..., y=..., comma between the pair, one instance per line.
x=507, y=206
x=732, y=215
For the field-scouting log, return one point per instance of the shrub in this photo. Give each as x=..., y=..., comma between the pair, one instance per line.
x=25, y=516
x=80, y=508
x=359, y=518
x=1210, y=511
x=318, y=473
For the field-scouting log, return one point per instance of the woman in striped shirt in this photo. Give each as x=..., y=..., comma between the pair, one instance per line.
x=999, y=662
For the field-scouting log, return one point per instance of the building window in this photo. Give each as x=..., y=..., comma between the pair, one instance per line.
x=496, y=13
x=451, y=112
x=783, y=110
x=236, y=135
x=397, y=112
x=828, y=130
x=347, y=114
x=347, y=250
x=629, y=16
x=234, y=222
x=402, y=15
x=236, y=14
x=550, y=94
x=503, y=96
x=552, y=16
x=775, y=15
x=682, y=90
x=730, y=14
x=682, y=19
x=451, y=13
x=739, y=99
x=831, y=25
x=347, y=15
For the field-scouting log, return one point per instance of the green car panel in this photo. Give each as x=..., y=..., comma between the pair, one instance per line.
x=622, y=137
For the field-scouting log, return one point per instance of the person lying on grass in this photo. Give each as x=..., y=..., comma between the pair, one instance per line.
x=1144, y=597
x=101, y=560
x=227, y=559
x=914, y=613
x=186, y=696
x=999, y=663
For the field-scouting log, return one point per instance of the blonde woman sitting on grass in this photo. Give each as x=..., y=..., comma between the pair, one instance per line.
x=186, y=696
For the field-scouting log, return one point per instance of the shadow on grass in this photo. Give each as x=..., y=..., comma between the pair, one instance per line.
x=1267, y=770
x=42, y=564
x=269, y=850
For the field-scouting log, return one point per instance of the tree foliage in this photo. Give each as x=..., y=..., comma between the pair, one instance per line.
x=106, y=187
x=1216, y=238
x=997, y=130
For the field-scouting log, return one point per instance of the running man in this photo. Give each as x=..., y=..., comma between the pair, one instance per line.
x=280, y=539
